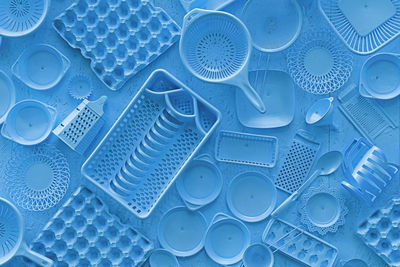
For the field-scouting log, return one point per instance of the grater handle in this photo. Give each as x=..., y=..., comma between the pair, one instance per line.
x=98, y=105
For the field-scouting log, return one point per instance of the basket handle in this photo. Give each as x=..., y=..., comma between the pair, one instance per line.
x=34, y=256
x=192, y=15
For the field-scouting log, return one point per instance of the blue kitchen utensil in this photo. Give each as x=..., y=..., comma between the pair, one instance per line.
x=276, y=89
x=119, y=38
x=200, y=182
x=250, y=149
x=37, y=177
x=157, y=134
x=80, y=128
x=365, y=114
x=367, y=171
x=272, y=29
x=298, y=244
x=29, y=122
x=380, y=76
x=7, y=93
x=251, y=196
x=80, y=87
x=41, y=66
x=298, y=162
x=319, y=63
x=381, y=233
x=12, y=231
x=363, y=25
x=84, y=233
x=322, y=209
x=182, y=231
x=215, y=46
x=20, y=17
x=258, y=255
x=321, y=113
x=327, y=164
x=355, y=263
x=163, y=258
x=226, y=239
x=188, y=5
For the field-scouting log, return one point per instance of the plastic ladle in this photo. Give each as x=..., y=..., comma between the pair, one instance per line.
x=327, y=164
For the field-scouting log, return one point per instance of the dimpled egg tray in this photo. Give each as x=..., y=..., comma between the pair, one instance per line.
x=299, y=244
x=381, y=232
x=84, y=233
x=151, y=142
x=120, y=37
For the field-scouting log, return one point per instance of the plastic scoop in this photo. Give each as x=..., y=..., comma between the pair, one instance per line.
x=327, y=164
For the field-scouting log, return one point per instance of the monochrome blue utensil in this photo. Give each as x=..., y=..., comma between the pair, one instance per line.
x=80, y=87
x=243, y=148
x=41, y=66
x=215, y=46
x=83, y=232
x=150, y=144
x=119, y=38
x=182, y=231
x=37, y=177
x=321, y=113
x=258, y=255
x=272, y=29
x=7, y=93
x=29, y=122
x=188, y=5
x=11, y=238
x=251, y=196
x=226, y=239
x=20, y=17
x=380, y=76
x=363, y=25
x=161, y=258
x=80, y=128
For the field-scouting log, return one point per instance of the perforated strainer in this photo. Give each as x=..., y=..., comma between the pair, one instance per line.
x=11, y=232
x=20, y=17
x=215, y=46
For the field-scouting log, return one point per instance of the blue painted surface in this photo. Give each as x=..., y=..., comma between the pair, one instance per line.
x=223, y=98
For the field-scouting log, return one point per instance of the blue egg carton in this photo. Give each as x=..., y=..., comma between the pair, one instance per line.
x=84, y=233
x=151, y=142
x=299, y=244
x=119, y=37
x=381, y=232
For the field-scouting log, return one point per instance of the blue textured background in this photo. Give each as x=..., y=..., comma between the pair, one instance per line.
x=222, y=97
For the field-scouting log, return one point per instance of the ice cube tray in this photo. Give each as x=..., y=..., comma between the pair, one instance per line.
x=381, y=232
x=299, y=244
x=365, y=114
x=79, y=128
x=84, y=233
x=119, y=37
x=298, y=162
x=243, y=148
x=151, y=142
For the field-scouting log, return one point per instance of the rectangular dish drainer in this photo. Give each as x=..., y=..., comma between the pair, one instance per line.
x=151, y=142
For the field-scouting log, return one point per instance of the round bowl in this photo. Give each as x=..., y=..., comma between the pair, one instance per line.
x=258, y=255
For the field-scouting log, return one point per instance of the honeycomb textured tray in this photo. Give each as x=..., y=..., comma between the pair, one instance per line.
x=120, y=37
x=84, y=233
x=151, y=142
x=381, y=232
x=299, y=244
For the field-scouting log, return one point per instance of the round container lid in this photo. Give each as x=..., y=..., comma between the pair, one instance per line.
x=182, y=231
x=163, y=258
x=227, y=240
x=251, y=196
x=29, y=122
x=200, y=183
x=7, y=93
x=323, y=209
x=380, y=76
x=258, y=255
x=355, y=263
x=273, y=25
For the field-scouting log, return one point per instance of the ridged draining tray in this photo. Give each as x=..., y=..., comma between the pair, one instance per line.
x=151, y=142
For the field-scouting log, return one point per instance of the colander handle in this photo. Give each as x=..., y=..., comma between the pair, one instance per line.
x=189, y=17
x=34, y=256
x=252, y=95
